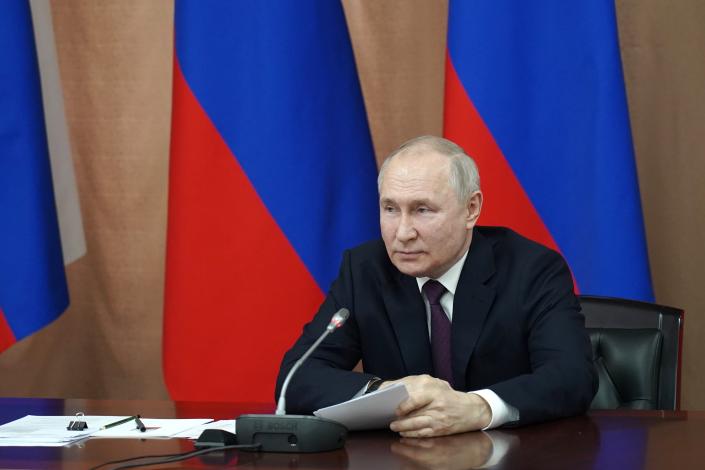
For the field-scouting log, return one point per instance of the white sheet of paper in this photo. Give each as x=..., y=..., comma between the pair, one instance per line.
x=156, y=428
x=372, y=411
x=195, y=432
x=49, y=430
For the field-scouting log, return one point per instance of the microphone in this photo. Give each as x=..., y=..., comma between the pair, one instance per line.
x=294, y=433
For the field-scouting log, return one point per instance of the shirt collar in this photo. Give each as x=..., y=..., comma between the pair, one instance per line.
x=450, y=278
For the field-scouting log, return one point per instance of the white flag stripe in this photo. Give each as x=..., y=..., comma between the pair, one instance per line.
x=73, y=242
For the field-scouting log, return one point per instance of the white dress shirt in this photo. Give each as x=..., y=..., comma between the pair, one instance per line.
x=502, y=412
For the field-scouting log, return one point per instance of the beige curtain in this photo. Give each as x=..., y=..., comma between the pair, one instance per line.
x=115, y=61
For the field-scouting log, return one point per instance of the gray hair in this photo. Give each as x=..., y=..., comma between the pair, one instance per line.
x=464, y=177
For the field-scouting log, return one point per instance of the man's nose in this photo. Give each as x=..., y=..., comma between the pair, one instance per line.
x=406, y=230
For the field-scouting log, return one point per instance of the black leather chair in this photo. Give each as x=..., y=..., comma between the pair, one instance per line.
x=637, y=350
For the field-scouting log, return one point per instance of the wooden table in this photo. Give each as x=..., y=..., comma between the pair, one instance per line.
x=602, y=440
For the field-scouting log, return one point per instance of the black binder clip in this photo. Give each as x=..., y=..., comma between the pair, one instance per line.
x=78, y=425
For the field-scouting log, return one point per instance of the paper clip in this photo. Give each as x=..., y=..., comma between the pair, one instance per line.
x=79, y=424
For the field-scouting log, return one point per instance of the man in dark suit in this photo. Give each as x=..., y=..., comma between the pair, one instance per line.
x=479, y=323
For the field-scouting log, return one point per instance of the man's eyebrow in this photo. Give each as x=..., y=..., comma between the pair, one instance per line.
x=412, y=202
x=421, y=202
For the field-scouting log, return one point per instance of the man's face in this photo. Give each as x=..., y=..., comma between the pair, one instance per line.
x=425, y=228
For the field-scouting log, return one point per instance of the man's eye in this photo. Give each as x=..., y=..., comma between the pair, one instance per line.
x=423, y=210
x=389, y=209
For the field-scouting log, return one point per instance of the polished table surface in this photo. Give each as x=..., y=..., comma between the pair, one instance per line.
x=602, y=440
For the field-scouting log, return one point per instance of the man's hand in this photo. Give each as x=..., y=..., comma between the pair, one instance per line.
x=435, y=409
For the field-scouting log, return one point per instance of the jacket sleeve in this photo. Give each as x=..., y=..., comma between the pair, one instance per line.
x=562, y=381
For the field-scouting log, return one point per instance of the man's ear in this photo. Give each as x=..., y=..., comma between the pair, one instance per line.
x=474, y=208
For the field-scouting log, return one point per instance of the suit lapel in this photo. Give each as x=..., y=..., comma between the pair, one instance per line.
x=407, y=314
x=471, y=304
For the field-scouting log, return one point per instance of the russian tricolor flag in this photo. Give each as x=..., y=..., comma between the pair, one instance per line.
x=33, y=288
x=272, y=175
x=535, y=93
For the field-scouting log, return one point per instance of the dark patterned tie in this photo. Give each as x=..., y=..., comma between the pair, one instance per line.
x=440, y=332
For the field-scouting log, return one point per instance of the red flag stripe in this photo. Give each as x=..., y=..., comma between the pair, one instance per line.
x=7, y=338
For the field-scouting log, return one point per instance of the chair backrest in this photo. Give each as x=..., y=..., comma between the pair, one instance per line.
x=637, y=352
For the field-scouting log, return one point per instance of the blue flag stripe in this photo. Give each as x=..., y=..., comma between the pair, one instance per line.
x=32, y=281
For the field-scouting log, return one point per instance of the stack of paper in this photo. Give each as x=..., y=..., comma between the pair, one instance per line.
x=195, y=432
x=51, y=430
x=156, y=428
x=371, y=411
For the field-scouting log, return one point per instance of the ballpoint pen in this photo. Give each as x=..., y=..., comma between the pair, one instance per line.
x=122, y=421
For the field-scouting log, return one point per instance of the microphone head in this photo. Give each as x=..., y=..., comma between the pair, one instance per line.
x=338, y=319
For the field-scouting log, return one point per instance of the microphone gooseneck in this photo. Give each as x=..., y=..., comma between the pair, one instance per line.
x=335, y=323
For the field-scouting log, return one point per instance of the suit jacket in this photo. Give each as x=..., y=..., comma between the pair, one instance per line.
x=517, y=330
